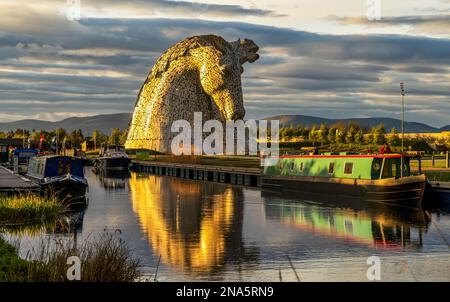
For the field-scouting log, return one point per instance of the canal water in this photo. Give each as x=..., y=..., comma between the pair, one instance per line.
x=210, y=231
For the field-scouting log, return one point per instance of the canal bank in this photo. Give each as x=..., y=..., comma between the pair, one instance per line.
x=231, y=175
x=13, y=183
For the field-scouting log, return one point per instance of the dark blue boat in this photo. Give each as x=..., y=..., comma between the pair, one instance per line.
x=63, y=175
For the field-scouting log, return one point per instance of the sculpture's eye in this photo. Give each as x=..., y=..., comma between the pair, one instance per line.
x=225, y=68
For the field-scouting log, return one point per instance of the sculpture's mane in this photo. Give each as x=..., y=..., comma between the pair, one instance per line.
x=181, y=49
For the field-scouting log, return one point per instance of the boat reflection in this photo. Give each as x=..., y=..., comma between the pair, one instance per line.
x=195, y=227
x=113, y=180
x=376, y=225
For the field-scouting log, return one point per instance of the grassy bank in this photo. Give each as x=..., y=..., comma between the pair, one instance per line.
x=12, y=268
x=105, y=258
x=30, y=209
x=224, y=161
x=438, y=176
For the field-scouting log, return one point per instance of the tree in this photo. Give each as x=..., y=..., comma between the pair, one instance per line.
x=350, y=137
x=10, y=134
x=394, y=139
x=95, y=136
x=115, y=136
x=123, y=137
x=76, y=137
x=323, y=134
x=359, y=137
x=313, y=134
x=340, y=135
x=332, y=135
x=379, y=134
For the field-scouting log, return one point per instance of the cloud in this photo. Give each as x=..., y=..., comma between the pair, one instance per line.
x=433, y=24
x=98, y=64
x=146, y=8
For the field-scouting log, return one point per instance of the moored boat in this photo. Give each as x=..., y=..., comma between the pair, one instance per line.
x=63, y=175
x=20, y=158
x=113, y=158
x=370, y=177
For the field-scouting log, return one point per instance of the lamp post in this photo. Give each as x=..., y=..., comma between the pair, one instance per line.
x=402, y=89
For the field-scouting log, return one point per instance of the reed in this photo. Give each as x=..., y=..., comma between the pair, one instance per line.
x=105, y=258
x=30, y=209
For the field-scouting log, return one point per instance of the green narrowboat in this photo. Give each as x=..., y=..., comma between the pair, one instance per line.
x=372, y=177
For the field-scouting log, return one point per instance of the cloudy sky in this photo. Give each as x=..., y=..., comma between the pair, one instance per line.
x=323, y=58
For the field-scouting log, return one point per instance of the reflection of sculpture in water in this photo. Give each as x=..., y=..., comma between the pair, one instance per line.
x=192, y=225
x=384, y=227
x=198, y=74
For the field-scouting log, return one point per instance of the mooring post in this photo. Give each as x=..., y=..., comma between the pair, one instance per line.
x=247, y=181
x=233, y=178
x=240, y=179
x=447, y=159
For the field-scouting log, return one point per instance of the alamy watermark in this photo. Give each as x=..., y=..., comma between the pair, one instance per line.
x=374, y=271
x=373, y=12
x=74, y=271
x=189, y=140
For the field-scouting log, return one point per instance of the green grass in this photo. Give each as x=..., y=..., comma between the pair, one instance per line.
x=438, y=176
x=30, y=209
x=427, y=163
x=12, y=267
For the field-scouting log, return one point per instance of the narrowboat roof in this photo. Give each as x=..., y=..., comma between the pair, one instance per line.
x=55, y=156
x=55, y=165
x=25, y=150
x=345, y=156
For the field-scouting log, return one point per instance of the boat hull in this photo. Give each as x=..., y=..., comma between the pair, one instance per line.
x=405, y=192
x=112, y=164
x=67, y=188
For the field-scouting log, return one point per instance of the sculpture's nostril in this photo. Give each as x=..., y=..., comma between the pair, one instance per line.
x=238, y=115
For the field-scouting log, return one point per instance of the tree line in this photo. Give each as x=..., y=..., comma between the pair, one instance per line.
x=71, y=139
x=341, y=134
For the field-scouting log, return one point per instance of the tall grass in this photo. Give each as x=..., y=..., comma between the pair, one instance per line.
x=30, y=208
x=107, y=258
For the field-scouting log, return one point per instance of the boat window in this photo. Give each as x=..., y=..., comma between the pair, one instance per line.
x=406, y=171
x=292, y=166
x=40, y=168
x=301, y=167
x=348, y=168
x=394, y=169
x=386, y=173
x=331, y=168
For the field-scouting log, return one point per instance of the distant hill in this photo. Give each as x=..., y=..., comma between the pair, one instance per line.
x=104, y=123
x=389, y=123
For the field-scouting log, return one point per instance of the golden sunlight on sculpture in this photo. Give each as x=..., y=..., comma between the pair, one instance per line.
x=198, y=74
